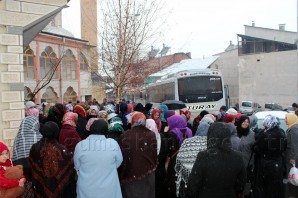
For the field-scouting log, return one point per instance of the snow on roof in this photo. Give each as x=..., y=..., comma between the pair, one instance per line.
x=58, y=30
x=186, y=65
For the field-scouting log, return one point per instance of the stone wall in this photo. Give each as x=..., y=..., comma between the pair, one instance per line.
x=14, y=16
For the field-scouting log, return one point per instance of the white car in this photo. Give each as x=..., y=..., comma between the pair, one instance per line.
x=280, y=114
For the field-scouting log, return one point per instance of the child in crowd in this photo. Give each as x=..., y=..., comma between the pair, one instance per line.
x=4, y=163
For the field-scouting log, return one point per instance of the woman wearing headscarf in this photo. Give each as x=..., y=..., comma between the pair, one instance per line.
x=163, y=108
x=196, y=121
x=81, y=124
x=178, y=132
x=115, y=128
x=229, y=119
x=204, y=126
x=92, y=112
x=96, y=160
x=56, y=114
x=270, y=146
x=51, y=165
x=160, y=173
x=139, y=148
x=27, y=135
x=247, y=138
x=253, y=123
x=217, y=171
x=88, y=125
x=155, y=116
x=32, y=112
x=103, y=115
x=178, y=126
x=123, y=115
x=292, y=149
x=148, y=107
x=140, y=108
x=151, y=125
x=187, y=155
x=68, y=135
x=187, y=115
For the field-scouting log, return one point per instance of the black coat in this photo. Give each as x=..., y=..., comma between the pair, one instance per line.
x=217, y=173
x=270, y=168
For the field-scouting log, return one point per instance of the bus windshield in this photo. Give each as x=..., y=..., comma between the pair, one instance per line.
x=200, y=89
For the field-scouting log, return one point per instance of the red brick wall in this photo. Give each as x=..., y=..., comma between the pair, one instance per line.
x=141, y=70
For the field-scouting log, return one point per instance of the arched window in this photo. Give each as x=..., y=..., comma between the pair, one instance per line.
x=68, y=66
x=70, y=95
x=83, y=63
x=50, y=95
x=48, y=63
x=28, y=95
x=28, y=62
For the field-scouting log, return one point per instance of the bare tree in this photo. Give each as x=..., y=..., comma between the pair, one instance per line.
x=128, y=28
x=53, y=65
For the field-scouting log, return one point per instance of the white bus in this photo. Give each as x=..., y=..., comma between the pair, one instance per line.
x=199, y=89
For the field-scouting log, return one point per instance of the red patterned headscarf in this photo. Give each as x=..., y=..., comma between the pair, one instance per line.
x=70, y=118
x=138, y=119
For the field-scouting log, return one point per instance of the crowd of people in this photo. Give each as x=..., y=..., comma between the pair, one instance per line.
x=130, y=150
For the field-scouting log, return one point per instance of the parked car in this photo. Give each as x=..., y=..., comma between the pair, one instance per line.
x=249, y=107
x=273, y=106
x=280, y=114
x=290, y=109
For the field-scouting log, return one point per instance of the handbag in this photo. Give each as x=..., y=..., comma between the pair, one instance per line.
x=293, y=176
x=248, y=185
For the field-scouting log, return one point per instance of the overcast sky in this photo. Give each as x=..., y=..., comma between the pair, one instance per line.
x=205, y=28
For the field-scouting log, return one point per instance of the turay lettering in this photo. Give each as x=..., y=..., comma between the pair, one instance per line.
x=201, y=107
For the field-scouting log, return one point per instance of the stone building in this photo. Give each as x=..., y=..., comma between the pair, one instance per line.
x=262, y=67
x=56, y=51
x=24, y=38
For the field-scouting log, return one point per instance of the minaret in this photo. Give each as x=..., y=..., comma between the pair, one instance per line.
x=89, y=28
x=89, y=33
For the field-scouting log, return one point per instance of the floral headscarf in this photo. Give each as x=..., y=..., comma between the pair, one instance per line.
x=69, y=107
x=32, y=112
x=70, y=118
x=115, y=125
x=270, y=122
x=90, y=122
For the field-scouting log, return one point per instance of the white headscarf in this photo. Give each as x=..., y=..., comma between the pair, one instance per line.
x=151, y=125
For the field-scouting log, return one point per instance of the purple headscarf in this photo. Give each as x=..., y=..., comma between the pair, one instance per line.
x=176, y=123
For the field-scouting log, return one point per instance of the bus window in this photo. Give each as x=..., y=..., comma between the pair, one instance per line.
x=161, y=92
x=200, y=89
